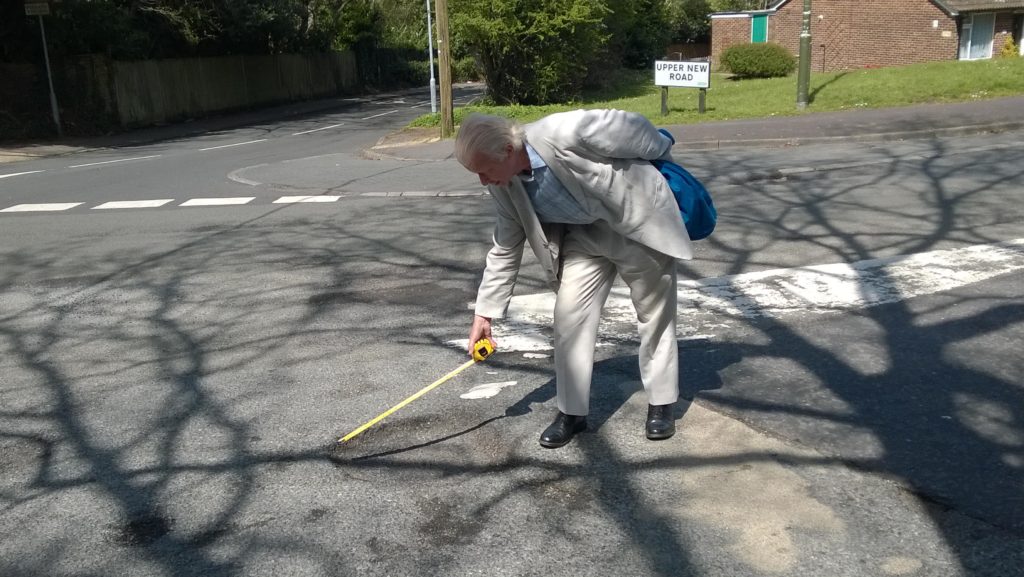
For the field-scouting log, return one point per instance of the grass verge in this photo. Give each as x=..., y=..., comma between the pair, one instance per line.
x=729, y=98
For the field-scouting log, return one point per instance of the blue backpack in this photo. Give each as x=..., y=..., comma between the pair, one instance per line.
x=698, y=212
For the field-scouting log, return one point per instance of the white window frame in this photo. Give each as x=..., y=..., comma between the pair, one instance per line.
x=966, y=32
x=1020, y=48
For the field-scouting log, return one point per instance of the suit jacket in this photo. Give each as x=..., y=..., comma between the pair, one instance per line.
x=602, y=157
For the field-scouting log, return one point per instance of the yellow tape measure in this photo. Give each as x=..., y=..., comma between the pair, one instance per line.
x=481, y=350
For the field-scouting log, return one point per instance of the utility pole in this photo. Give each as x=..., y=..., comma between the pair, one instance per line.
x=41, y=8
x=444, y=66
x=803, y=79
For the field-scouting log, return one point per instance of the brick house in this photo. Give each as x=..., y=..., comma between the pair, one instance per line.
x=848, y=34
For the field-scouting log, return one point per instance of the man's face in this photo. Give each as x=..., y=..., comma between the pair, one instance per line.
x=492, y=171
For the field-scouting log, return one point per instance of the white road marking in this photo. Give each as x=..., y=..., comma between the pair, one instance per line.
x=218, y=201
x=535, y=356
x=319, y=129
x=773, y=293
x=43, y=207
x=377, y=115
x=234, y=175
x=19, y=173
x=115, y=161
x=133, y=203
x=291, y=199
x=486, y=390
x=230, y=145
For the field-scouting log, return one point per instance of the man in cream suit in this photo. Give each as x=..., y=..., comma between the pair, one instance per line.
x=579, y=186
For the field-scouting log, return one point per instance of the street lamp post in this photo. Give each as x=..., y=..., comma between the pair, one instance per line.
x=430, y=55
x=804, y=74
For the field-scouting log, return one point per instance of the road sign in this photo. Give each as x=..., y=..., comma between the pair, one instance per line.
x=37, y=8
x=692, y=74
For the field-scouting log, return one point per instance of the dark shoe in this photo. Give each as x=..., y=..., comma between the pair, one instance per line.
x=561, y=431
x=660, y=423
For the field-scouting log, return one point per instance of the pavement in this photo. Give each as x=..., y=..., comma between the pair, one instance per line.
x=862, y=125
x=865, y=125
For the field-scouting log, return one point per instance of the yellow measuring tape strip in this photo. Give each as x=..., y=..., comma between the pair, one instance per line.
x=481, y=350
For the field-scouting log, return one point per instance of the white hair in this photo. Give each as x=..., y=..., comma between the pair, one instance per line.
x=488, y=135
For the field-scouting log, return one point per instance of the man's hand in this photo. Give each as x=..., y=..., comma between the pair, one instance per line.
x=481, y=330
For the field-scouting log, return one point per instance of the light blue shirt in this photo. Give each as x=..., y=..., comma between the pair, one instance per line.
x=551, y=200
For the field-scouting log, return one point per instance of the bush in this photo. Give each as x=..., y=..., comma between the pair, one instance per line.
x=464, y=69
x=531, y=51
x=1009, y=49
x=762, y=60
x=417, y=72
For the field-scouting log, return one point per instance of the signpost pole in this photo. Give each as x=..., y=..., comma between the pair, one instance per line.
x=700, y=100
x=664, y=100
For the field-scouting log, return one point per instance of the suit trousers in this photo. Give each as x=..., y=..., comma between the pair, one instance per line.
x=592, y=255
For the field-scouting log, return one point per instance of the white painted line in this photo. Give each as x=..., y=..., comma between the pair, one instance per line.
x=218, y=201
x=774, y=293
x=19, y=173
x=377, y=115
x=115, y=161
x=455, y=193
x=796, y=170
x=230, y=145
x=234, y=175
x=43, y=207
x=291, y=199
x=133, y=203
x=319, y=129
x=486, y=390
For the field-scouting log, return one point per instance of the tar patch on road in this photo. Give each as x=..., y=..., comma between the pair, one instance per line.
x=142, y=529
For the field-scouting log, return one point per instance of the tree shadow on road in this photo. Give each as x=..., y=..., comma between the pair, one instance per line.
x=166, y=412
x=918, y=390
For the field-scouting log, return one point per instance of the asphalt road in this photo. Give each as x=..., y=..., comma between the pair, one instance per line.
x=174, y=377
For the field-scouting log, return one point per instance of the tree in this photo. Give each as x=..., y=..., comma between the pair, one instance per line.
x=739, y=5
x=638, y=31
x=139, y=29
x=532, y=51
x=688, y=20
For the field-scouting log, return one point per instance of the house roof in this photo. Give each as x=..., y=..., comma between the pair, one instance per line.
x=975, y=5
x=954, y=7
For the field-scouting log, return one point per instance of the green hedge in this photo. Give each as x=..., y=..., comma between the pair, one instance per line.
x=762, y=60
x=463, y=70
